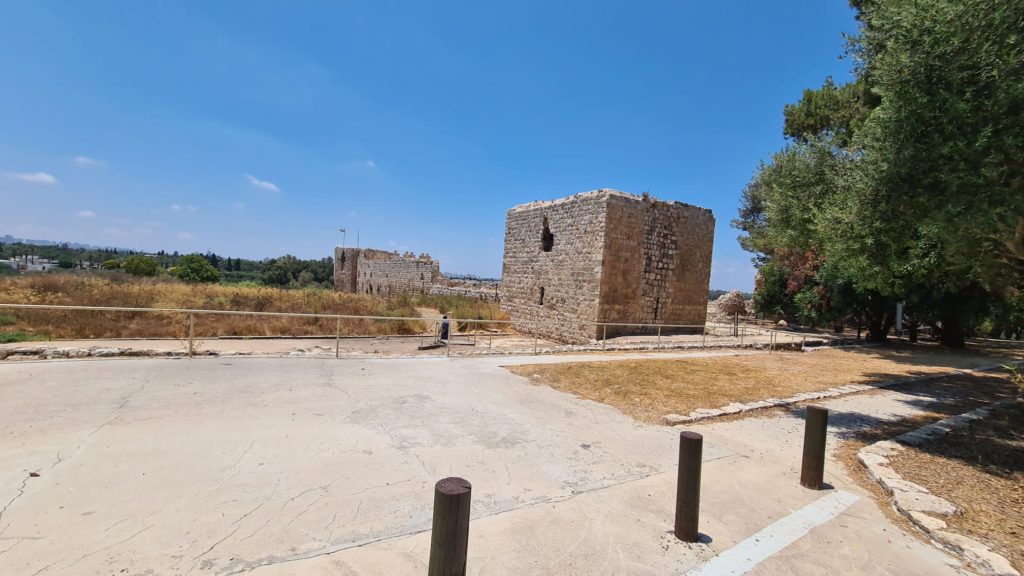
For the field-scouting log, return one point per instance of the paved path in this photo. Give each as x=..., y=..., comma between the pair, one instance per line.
x=284, y=466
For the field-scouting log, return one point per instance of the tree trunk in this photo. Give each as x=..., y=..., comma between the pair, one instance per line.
x=952, y=331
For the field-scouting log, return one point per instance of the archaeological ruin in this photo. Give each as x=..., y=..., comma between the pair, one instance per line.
x=370, y=271
x=605, y=256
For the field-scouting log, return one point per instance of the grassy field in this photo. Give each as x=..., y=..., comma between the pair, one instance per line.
x=127, y=291
x=649, y=389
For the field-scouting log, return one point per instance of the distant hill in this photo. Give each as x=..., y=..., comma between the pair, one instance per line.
x=8, y=239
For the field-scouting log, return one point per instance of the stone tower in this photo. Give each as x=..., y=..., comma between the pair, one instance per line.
x=605, y=256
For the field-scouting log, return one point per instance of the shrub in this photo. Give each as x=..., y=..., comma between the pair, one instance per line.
x=197, y=269
x=141, y=266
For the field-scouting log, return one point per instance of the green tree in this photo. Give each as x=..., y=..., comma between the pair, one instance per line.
x=111, y=264
x=196, y=268
x=66, y=263
x=907, y=184
x=141, y=266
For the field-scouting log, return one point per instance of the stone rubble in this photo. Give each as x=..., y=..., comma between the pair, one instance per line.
x=924, y=509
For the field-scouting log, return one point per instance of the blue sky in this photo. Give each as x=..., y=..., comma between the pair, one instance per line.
x=256, y=129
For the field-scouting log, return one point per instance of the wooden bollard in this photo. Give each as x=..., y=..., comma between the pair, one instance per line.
x=691, y=446
x=449, y=538
x=812, y=469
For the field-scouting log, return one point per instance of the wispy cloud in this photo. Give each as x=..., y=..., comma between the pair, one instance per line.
x=113, y=231
x=370, y=164
x=86, y=162
x=142, y=230
x=238, y=205
x=191, y=208
x=33, y=177
x=185, y=235
x=264, y=184
x=176, y=207
x=86, y=214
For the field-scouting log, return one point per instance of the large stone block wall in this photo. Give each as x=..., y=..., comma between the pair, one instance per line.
x=658, y=263
x=569, y=274
x=387, y=273
x=369, y=271
x=616, y=257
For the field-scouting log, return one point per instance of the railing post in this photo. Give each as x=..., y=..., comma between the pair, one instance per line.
x=191, y=332
x=604, y=337
x=659, y=336
x=704, y=336
x=449, y=536
x=741, y=336
x=688, y=486
x=812, y=468
x=535, y=344
x=337, y=339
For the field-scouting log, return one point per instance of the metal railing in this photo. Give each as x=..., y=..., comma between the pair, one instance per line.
x=626, y=335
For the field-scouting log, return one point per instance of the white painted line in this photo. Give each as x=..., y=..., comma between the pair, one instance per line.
x=743, y=557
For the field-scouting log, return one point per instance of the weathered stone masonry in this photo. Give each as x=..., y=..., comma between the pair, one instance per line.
x=369, y=271
x=605, y=256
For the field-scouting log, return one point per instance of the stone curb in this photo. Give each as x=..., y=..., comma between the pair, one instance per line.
x=53, y=352
x=924, y=509
x=737, y=408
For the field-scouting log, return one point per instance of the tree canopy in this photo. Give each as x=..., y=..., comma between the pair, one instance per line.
x=905, y=184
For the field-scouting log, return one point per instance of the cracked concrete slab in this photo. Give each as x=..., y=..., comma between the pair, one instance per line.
x=279, y=466
x=212, y=465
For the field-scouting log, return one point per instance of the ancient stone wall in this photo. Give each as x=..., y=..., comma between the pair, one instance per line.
x=554, y=272
x=388, y=273
x=606, y=256
x=370, y=271
x=660, y=255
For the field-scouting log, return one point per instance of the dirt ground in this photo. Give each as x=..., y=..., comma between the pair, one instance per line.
x=649, y=389
x=979, y=468
x=940, y=399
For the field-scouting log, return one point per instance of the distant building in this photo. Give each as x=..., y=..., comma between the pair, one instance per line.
x=370, y=271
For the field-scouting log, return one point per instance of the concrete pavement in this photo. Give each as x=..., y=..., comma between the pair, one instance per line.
x=285, y=466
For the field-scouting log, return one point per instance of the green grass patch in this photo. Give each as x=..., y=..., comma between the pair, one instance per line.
x=7, y=319
x=18, y=336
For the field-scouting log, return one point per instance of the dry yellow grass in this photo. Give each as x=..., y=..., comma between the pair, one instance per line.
x=649, y=389
x=125, y=291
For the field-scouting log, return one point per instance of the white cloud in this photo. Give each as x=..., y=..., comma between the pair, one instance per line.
x=238, y=205
x=192, y=208
x=33, y=177
x=352, y=213
x=185, y=236
x=86, y=214
x=371, y=164
x=86, y=162
x=264, y=184
x=176, y=207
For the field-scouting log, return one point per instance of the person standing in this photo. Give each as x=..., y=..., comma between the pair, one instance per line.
x=443, y=336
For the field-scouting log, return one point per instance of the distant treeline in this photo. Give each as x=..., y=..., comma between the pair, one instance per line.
x=285, y=271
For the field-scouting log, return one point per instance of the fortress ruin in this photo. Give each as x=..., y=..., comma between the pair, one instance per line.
x=605, y=256
x=370, y=271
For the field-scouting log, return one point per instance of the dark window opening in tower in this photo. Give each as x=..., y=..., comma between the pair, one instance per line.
x=547, y=239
